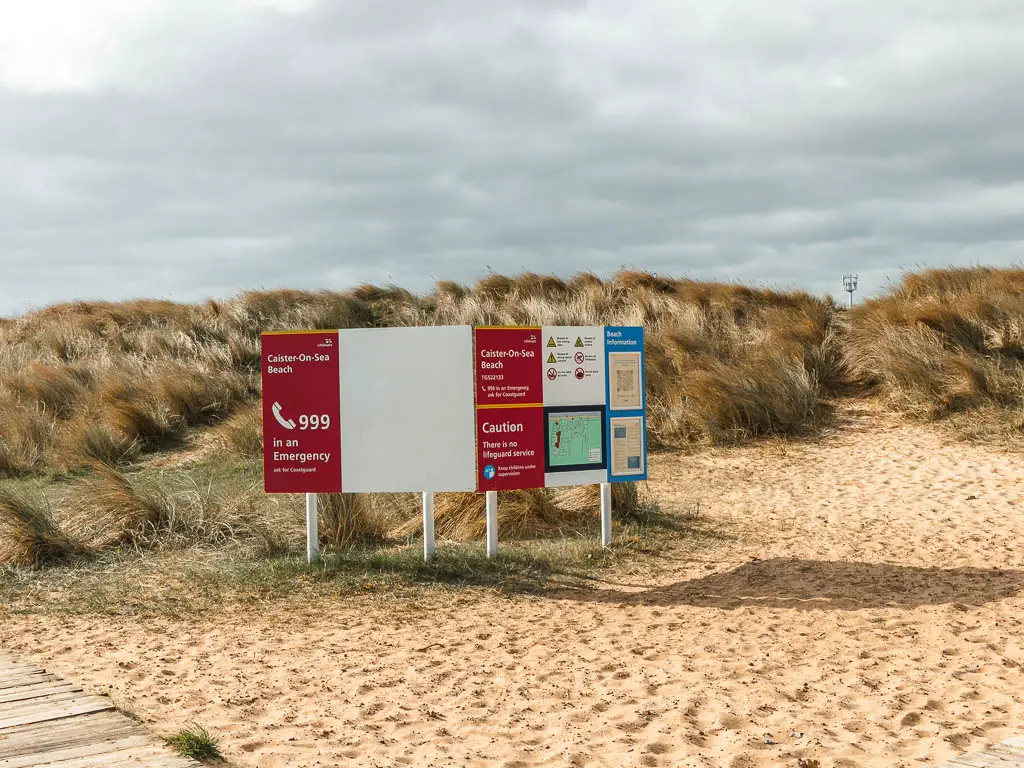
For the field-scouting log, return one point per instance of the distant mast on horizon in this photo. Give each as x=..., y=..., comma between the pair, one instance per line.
x=850, y=285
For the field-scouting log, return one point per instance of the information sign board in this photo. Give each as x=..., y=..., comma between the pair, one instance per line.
x=451, y=408
x=301, y=418
x=627, y=419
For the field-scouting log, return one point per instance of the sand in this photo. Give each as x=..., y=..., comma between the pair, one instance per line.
x=864, y=608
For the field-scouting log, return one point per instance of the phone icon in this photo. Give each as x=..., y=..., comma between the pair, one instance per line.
x=286, y=423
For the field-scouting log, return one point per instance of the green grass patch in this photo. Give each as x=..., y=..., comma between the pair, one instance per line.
x=186, y=583
x=186, y=538
x=196, y=743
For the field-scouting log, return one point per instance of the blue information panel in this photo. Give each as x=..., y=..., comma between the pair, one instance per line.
x=626, y=399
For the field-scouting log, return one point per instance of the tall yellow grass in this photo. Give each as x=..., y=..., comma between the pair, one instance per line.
x=943, y=342
x=30, y=534
x=107, y=382
x=101, y=385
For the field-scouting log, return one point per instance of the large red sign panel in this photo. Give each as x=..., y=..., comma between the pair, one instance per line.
x=507, y=367
x=510, y=448
x=509, y=416
x=301, y=412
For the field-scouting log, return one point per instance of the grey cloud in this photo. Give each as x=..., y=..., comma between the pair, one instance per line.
x=358, y=142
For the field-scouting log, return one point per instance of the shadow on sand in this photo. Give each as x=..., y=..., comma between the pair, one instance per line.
x=824, y=585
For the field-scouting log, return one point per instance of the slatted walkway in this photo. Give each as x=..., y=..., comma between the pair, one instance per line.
x=45, y=721
x=1007, y=754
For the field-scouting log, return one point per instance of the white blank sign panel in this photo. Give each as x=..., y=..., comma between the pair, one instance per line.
x=407, y=413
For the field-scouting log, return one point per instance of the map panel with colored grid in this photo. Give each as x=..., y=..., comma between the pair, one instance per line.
x=575, y=438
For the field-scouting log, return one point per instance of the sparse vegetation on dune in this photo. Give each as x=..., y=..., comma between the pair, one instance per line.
x=141, y=420
x=724, y=362
x=946, y=342
x=88, y=382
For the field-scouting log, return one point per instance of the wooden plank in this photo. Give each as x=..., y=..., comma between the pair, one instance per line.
x=65, y=734
x=107, y=747
x=1007, y=754
x=36, y=691
x=984, y=760
x=9, y=669
x=21, y=671
x=45, y=721
x=979, y=760
x=1014, y=747
x=56, y=712
x=150, y=757
x=13, y=708
x=17, y=682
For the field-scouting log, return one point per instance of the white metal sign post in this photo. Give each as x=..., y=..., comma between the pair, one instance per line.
x=492, y=523
x=606, y=514
x=428, y=526
x=312, y=529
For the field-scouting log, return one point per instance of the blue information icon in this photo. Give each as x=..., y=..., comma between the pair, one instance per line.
x=489, y=472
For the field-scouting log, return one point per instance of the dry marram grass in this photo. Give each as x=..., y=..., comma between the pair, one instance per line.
x=944, y=342
x=29, y=534
x=88, y=382
x=107, y=385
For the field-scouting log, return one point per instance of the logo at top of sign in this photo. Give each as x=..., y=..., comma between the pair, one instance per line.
x=579, y=342
x=579, y=373
x=551, y=341
x=579, y=358
x=489, y=472
x=552, y=374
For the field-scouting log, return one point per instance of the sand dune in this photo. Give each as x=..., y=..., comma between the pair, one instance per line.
x=864, y=607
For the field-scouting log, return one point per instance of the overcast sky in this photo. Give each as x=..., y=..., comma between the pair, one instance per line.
x=195, y=148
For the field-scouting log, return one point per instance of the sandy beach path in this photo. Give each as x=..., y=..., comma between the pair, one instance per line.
x=864, y=608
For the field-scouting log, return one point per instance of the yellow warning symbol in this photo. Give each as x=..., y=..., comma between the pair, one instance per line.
x=579, y=342
x=551, y=341
x=551, y=358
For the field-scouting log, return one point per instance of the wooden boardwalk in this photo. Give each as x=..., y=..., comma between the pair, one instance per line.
x=1007, y=754
x=45, y=721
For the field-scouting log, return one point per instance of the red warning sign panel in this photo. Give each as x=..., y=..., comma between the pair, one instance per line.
x=510, y=448
x=508, y=366
x=510, y=415
x=301, y=412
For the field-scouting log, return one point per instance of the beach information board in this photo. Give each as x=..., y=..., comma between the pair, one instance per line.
x=452, y=408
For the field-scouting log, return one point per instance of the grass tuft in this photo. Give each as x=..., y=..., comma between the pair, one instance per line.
x=242, y=434
x=89, y=443
x=521, y=514
x=108, y=510
x=346, y=518
x=155, y=510
x=29, y=535
x=196, y=743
